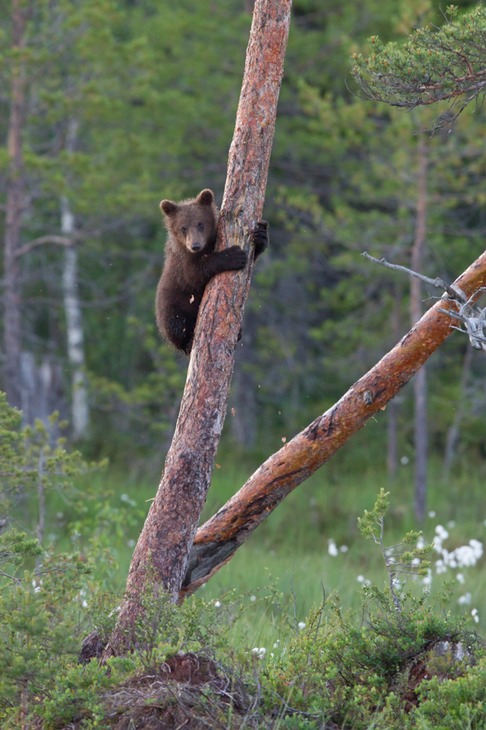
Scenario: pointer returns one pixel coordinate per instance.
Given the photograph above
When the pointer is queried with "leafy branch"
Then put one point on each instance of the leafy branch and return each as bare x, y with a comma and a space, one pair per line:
434, 64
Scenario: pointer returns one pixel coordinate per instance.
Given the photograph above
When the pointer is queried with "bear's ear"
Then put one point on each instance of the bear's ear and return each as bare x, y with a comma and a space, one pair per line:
205, 197
168, 207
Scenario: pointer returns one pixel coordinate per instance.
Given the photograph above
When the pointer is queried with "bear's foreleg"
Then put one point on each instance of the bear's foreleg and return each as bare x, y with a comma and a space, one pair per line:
229, 259
260, 237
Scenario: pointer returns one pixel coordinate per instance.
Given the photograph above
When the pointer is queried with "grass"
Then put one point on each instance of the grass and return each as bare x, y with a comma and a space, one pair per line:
304, 627
308, 552
285, 568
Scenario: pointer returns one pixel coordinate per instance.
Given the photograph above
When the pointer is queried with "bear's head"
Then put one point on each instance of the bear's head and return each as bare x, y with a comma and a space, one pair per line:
192, 223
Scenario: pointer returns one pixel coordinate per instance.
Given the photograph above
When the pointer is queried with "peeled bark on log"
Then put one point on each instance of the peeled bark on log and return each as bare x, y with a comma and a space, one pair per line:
160, 558
218, 539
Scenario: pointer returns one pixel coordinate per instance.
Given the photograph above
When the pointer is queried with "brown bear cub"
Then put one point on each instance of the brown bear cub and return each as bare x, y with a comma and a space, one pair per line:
190, 262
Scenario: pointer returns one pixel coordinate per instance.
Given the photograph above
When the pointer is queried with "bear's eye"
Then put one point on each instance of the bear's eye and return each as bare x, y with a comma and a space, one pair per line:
200, 226
183, 230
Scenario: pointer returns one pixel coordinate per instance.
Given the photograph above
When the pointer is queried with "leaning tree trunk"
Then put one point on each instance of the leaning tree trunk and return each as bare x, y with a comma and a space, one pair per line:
218, 539
160, 558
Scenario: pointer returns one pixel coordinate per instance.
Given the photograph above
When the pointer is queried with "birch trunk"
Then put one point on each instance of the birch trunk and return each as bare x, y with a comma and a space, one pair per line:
72, 309
74, 328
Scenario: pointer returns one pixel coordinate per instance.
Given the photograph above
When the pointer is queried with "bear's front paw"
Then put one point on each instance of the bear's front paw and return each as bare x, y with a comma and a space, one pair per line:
260, 237
236, 258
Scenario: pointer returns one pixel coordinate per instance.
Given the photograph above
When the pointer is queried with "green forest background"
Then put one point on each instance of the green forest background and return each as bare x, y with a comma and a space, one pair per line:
127, 103
122, 104
131, 102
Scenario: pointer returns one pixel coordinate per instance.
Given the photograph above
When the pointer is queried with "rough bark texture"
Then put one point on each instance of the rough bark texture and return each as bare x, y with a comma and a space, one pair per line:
160, 557
220, 537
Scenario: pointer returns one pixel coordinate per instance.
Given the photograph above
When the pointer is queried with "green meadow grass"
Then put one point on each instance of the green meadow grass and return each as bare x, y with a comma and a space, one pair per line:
285, 568
259, 614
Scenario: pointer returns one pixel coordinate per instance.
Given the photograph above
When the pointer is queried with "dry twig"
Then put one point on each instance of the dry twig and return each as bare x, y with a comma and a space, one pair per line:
472, 317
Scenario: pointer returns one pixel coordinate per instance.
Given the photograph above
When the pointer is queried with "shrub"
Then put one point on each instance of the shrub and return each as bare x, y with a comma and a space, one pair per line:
371, 672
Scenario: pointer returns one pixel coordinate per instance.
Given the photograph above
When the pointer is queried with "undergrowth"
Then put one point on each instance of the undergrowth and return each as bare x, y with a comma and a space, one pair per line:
400, 659
402, 662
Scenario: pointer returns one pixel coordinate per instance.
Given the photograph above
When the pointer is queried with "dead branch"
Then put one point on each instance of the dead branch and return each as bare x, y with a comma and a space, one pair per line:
437, 282
42, 241
473, 318
71, 240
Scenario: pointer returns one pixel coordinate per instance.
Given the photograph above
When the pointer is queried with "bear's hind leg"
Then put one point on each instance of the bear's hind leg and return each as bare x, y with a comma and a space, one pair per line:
180, 332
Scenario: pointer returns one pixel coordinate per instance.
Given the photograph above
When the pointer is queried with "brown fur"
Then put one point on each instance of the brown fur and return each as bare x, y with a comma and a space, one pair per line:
190, 262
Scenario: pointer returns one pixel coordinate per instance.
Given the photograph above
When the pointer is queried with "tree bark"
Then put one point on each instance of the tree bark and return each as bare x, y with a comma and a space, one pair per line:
72, 310
420, 381
74, 330
160, 558
15, 200
219, 538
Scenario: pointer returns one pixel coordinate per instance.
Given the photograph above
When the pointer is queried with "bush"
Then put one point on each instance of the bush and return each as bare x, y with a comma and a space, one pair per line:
404, 662
372, 672
453, 704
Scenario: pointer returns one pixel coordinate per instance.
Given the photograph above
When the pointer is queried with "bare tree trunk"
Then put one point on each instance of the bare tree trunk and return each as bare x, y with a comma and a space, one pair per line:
74, 329
15, 199
219, 538
454, 429
394, 405
420, 382
72, 309
160, 558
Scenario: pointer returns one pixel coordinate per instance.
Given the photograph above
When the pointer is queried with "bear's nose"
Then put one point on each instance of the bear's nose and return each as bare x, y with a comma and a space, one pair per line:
196, 246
